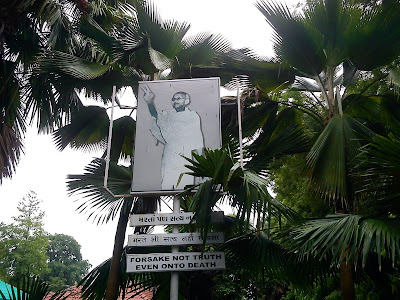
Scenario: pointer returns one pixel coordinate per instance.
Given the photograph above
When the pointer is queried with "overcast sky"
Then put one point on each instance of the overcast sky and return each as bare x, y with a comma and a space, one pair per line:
43, 169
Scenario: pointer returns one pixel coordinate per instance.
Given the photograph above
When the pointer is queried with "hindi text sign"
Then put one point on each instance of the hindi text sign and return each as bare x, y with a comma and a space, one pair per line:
173, 239
171, 219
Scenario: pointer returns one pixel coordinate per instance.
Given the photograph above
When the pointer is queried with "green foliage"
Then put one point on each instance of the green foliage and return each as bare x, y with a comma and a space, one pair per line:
291, 184
27, 252
347, 238
24, 242
325, 290
65, 262
31, 288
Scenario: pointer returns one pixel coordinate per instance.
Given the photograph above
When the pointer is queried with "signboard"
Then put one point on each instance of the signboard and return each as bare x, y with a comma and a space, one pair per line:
181, 261
171, 219
174, 118
173, 239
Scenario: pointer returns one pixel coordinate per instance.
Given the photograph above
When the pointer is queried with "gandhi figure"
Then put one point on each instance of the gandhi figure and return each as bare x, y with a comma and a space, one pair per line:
180, 132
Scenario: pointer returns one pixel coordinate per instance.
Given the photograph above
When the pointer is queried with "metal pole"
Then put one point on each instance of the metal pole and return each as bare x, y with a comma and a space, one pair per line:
109, 137
239, 108
174, 290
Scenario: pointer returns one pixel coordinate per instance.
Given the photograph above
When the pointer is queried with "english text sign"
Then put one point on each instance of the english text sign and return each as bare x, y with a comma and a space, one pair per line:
181, 261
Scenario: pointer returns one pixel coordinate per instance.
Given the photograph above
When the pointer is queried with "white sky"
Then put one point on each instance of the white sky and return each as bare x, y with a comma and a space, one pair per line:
43, 169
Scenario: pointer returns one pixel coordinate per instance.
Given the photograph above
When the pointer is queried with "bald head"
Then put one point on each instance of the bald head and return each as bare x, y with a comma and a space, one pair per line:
180, 100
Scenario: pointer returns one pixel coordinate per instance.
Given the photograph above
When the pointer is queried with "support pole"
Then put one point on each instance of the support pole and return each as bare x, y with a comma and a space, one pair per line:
110, 128
109, 137
174, 290
239, 109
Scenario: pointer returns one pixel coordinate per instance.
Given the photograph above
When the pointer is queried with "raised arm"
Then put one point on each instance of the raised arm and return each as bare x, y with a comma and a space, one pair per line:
148, 96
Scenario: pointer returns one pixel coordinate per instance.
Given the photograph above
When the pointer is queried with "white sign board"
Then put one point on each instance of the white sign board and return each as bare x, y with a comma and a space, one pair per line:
174, 118
181, 261
171, 219
173, 239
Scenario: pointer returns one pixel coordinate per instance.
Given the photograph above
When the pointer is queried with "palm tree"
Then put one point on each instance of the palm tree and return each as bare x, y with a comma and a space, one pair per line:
26, 28
102, 206
142, 47
329, 44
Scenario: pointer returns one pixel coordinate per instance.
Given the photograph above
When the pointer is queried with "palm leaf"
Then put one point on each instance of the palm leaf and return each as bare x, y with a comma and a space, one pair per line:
200, 50
331, 19
257, 254
94, 284
334, 154
10, 101
11, 148
166, 36
123, 138
98, 202
250, 70
301, 46
281, 135
71, 65
372, 37
381, 164
347, 237
31, 288
60, 19
88, 130
244, 189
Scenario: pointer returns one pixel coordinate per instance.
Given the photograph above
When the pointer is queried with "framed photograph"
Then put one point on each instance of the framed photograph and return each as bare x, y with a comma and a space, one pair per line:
175, 118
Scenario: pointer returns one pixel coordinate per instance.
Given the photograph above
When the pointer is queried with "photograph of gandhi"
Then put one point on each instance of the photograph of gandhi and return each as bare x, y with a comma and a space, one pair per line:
179, 130
175, 118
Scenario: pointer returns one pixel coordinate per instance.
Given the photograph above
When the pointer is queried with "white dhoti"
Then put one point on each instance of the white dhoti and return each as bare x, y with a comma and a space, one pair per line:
181, 135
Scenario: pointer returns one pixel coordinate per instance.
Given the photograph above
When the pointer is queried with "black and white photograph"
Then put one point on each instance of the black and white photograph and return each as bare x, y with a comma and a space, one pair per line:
175, 119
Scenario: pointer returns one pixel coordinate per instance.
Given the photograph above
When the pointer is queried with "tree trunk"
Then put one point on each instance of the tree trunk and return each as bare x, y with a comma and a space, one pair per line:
115, 269
347, 280
346, 267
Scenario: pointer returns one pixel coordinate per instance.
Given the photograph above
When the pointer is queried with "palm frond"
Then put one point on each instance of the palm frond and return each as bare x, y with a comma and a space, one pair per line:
253, 71
94, 284
87, 130
282, 135
331, 19
257, 254
159, 60
296, 43
71, 65
97, 202
200, 50
333, 154
244, 189
347, 237
166, 36
380, 162
11, 148
10, 99
394, 78
372, 37
31, 288
123, 138
60, 19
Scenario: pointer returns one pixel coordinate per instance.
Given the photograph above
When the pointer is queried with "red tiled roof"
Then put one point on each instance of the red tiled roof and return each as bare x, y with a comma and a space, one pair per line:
74, 293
